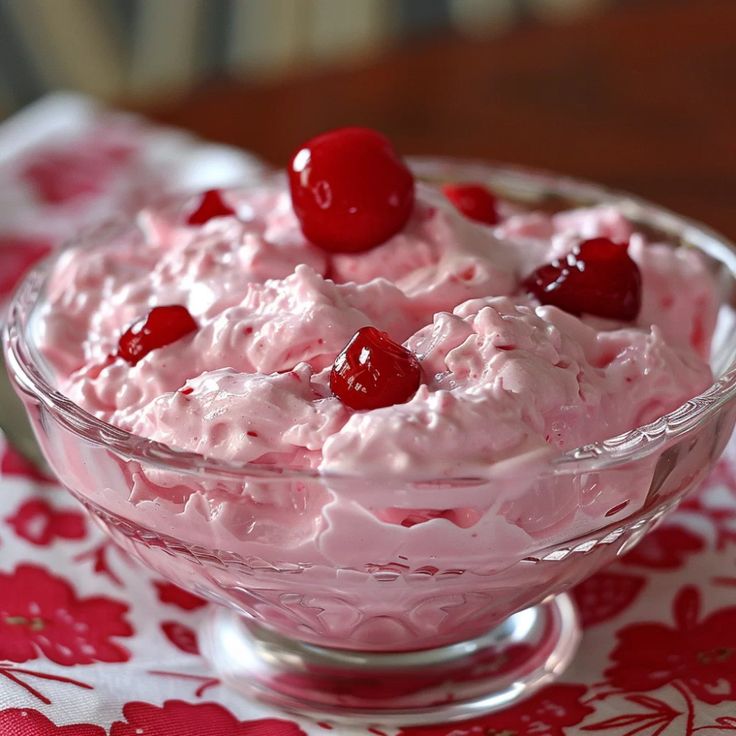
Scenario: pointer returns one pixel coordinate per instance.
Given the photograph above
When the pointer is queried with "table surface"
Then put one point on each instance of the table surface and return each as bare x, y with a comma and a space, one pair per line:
639, 97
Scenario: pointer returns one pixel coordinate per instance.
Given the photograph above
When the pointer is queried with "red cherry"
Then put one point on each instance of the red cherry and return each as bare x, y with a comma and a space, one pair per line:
598, 277
474, 201
374, 371
350, 190
162, 326
210, 205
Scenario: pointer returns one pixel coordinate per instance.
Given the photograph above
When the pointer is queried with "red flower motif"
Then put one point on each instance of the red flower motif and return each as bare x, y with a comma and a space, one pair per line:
40, 614
605, 595
545, 714
13, 464
18, 254
700, 655
28, 722
170, 593
182, 637
655, 717
98, 554
39, 523
61, 175
665, 548
724, 475
720, 511
177, 718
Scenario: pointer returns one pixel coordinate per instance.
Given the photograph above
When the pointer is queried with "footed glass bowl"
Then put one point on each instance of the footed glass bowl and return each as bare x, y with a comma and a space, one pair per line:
381, 599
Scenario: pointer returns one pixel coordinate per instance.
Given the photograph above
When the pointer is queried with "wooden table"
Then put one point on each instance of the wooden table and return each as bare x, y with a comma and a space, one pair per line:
642, 96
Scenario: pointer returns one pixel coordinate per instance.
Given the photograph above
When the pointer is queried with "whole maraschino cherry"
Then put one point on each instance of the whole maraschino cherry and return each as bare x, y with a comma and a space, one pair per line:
373, 371
598, 277
350, 190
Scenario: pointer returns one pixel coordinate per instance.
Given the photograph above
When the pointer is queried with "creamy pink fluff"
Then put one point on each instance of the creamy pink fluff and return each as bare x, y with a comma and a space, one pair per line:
273, 312
456, 483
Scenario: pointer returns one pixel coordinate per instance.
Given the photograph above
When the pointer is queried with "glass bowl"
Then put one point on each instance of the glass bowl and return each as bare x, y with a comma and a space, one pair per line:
389, 600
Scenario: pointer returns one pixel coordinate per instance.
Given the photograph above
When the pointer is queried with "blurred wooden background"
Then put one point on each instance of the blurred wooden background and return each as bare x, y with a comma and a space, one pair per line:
640, 96
150, 48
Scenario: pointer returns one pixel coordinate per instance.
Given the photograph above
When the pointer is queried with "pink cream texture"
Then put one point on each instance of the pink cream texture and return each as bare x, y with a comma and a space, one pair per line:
507, 383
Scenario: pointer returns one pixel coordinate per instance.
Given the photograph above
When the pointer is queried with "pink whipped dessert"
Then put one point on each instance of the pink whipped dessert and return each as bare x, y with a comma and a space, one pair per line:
271, 312
235, 327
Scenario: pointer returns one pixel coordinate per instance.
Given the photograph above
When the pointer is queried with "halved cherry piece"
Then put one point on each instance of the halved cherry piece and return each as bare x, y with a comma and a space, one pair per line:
162, 326
374, 371
597, 277
475, 201
350, 190
210, 205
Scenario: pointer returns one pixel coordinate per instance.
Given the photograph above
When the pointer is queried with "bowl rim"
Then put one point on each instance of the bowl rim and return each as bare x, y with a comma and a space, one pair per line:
621, 448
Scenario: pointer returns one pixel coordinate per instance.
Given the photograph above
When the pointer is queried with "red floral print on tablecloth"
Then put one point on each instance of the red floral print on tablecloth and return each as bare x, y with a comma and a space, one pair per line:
699, 655
718, 508
548, 713
177, 718
61, 175
39, 523
647, 715
41, 615
606, 595
722, 475
17, 255
13, 464
28, 722
100, 560
176, 596
665, 548
182, 637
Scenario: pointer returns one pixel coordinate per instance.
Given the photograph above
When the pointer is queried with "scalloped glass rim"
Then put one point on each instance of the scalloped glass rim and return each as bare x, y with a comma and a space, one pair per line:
520, 182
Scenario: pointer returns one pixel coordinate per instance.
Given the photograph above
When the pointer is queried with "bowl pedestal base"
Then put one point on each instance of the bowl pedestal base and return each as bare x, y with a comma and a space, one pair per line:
450, 683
